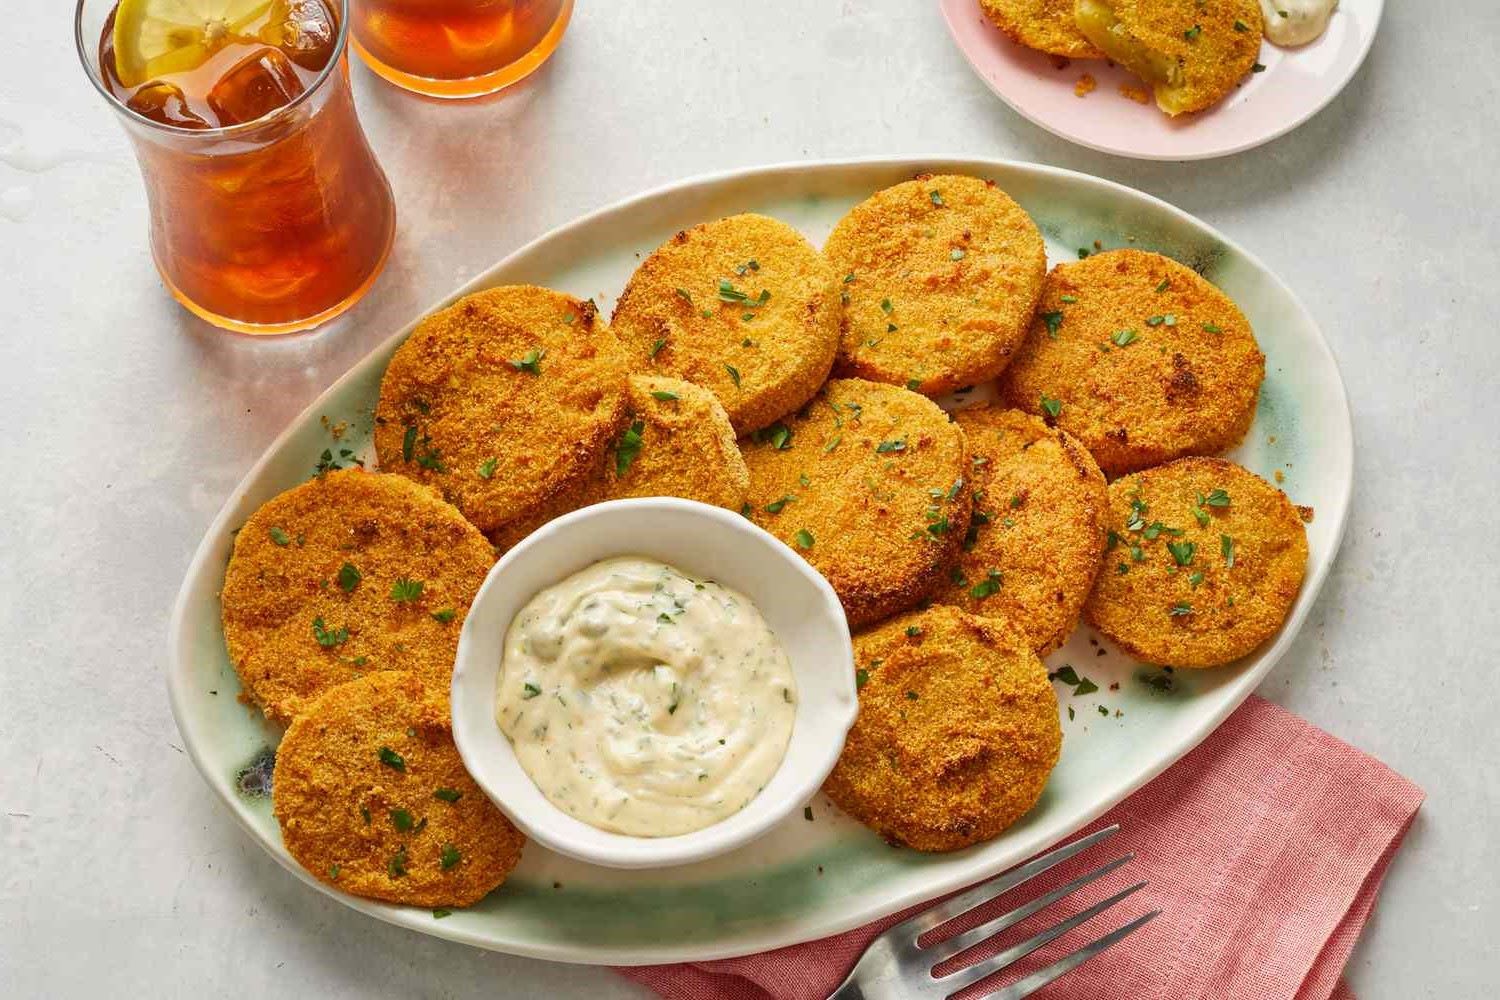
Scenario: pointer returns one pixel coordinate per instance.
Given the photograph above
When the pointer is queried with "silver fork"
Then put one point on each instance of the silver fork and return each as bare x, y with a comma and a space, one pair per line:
895, 966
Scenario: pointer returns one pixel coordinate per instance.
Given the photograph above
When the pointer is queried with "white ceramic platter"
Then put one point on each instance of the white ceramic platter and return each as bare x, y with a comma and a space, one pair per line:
1296, 84
805, 879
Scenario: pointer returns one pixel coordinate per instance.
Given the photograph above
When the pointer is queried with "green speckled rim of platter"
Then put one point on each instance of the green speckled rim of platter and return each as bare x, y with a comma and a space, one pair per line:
806, 878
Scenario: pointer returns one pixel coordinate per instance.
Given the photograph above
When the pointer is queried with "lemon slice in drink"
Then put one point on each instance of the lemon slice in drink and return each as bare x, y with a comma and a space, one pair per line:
156, 37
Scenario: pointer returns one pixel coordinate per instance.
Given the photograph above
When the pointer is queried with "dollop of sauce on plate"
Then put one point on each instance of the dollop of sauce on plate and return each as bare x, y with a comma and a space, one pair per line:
1296, 22
643, 701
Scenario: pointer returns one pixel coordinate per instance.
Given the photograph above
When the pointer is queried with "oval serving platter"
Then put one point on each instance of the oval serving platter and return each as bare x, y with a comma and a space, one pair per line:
805, 879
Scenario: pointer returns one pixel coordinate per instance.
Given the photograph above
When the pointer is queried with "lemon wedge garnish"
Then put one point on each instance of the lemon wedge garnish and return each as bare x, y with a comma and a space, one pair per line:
154, 38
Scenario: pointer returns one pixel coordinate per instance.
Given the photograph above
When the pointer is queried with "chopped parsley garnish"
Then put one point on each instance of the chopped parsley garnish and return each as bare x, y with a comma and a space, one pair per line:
1257, 68
1085, 686
885, 306
861, 678
734, 375
804, 539
1155, 320
728, 293
1226, 548
775, 506
279, 536
1211, 328
914, 384
333, 872
936, 197
1103, 711
656, 347
1083, 252
833, 443
405, 590
912, 631
396, 867
807, 813
1192, 33
1170, 319
1051, 407
987, 587
849, 278
1070, 299
1054, 321
1165, 284
487, 468
409, 443
1182, 552
402, 820
349, 577
448, 794
912, 696
392, 759
439, 914
629, 447
1195, 580
1240, 25
529, 691
445, 615
328, 638
684, 295
1215, 498
530, 362
664, 395
1123, 337
778, 435
957, 253
1180, 609
449, 857
1201, 516
894, 444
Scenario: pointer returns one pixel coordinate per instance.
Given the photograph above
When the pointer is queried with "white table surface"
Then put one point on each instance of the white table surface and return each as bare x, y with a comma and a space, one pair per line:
124, 424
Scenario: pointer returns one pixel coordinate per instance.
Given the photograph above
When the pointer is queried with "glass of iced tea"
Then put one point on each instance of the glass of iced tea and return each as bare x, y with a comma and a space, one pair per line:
458, 48
268, 211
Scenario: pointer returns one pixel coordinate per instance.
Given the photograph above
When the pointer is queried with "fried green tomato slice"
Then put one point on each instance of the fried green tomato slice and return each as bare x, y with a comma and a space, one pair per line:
957, 730
502, 401
866, 483
1036, 537
349, 573
743, 306
373, 798
1205, 561
940, 276
1045, 25
677, 442
1140, 358
1191, 53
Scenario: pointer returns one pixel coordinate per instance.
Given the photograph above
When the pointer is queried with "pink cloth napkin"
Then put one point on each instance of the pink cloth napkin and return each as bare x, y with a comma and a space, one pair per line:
1264, 848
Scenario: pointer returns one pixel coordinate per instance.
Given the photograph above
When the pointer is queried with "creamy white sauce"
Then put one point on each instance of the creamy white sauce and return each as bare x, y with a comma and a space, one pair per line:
1296, 22
645, 702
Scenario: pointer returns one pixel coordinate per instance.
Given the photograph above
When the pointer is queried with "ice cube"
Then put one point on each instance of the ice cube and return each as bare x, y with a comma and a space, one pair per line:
304, 30
257, 85
165, 103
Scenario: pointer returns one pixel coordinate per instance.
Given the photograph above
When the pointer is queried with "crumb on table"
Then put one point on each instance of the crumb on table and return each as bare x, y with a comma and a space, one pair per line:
1085, 85
1135, 92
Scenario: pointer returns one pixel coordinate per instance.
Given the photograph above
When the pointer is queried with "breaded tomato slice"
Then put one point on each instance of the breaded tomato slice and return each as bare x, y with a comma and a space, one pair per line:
957, 730
1205, 562
373, 799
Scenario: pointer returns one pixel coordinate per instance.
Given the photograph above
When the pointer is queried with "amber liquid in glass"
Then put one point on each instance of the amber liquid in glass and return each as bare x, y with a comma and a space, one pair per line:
458, 48
283, 222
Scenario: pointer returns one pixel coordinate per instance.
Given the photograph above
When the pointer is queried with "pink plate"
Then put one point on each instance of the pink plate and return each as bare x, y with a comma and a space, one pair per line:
1296, 84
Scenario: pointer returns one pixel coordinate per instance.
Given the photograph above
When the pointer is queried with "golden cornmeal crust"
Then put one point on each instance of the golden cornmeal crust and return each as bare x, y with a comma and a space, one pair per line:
1195, 577
1147, 360
1211, 53
940, 277
677, 442
1037, 534
682, 315
503, 400
874, 475
1044, 25
373, 799
287, 588
957, 730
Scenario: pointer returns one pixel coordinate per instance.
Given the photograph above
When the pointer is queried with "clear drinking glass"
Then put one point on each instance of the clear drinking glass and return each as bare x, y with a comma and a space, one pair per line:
268, 211
458, 48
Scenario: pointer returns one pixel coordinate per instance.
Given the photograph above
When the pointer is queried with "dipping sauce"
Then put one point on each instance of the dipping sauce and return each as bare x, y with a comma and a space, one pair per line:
643, 701
1296, 22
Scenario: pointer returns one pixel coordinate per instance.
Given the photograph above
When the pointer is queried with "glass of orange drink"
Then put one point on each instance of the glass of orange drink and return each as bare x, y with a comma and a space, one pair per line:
458, 48
269, 213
